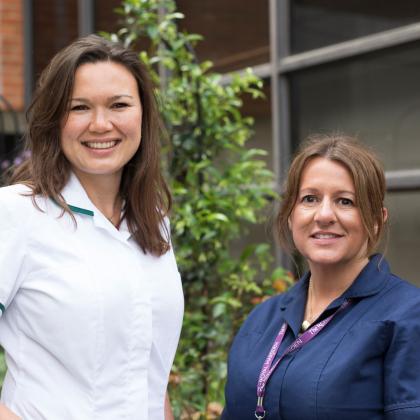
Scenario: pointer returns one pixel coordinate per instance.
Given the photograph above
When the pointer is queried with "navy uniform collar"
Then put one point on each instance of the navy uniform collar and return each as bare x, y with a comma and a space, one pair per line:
370, 281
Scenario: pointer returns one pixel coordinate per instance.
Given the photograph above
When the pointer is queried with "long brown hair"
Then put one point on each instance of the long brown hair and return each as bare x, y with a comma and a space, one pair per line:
47, 171
365, 169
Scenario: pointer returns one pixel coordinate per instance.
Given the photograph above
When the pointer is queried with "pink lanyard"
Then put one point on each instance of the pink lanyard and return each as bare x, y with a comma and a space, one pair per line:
268, 367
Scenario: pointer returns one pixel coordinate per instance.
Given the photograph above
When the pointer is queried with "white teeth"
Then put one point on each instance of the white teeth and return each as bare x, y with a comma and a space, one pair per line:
324, 236
100, 145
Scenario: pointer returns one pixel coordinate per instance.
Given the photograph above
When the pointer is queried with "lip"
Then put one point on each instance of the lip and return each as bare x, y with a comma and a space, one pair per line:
325, 238
99, 145
325, 235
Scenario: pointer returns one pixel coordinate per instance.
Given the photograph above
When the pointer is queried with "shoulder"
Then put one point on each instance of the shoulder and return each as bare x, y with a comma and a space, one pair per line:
388, 296
266, 312
17, 203
404, 299
404, 287
278, 301
15, 198
13, 192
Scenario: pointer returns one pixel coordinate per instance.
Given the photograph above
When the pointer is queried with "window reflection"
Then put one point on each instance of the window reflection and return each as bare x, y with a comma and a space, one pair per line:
236, 32
404, 241
375, 97
318, 23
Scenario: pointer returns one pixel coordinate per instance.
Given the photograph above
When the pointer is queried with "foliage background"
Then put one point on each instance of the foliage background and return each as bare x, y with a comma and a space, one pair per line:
220, 188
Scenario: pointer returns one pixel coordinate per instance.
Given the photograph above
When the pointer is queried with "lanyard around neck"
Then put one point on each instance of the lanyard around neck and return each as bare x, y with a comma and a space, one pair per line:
269, 367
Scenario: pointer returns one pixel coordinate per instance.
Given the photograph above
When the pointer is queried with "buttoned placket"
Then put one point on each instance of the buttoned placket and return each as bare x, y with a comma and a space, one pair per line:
293, 308
141, 337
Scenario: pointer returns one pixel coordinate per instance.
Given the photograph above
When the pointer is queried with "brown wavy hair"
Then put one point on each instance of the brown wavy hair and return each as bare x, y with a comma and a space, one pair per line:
47, 171
367, 174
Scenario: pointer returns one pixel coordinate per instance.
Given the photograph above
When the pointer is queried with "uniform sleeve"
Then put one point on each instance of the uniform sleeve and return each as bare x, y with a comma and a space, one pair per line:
12, 249
402, 368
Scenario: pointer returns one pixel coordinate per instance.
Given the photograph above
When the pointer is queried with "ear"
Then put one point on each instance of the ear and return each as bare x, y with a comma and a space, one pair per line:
385, 214
384, 217
289, 223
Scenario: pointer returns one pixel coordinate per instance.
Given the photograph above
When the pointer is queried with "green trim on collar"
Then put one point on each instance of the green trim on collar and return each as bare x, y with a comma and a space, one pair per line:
2, 308
75, 209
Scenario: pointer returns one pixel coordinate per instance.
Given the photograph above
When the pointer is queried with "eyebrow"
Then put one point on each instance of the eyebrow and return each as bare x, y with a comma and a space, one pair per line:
112, 98
316, 190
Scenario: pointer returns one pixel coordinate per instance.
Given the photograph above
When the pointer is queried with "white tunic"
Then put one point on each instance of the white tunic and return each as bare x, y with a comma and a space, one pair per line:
90, 324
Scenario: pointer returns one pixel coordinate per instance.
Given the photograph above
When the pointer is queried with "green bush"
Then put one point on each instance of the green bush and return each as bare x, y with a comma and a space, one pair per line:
220, 188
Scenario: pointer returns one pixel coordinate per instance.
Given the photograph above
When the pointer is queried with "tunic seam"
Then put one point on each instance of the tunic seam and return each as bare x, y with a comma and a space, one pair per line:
402, 406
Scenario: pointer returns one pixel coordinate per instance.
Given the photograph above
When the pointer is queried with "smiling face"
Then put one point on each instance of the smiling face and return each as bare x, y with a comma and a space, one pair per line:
325, 221
102, 130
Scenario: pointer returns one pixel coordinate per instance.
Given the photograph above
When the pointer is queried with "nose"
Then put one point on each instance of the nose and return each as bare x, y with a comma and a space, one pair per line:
325, 213
100, 122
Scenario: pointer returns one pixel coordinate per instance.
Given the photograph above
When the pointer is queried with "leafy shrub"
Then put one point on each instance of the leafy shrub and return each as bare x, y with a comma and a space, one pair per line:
220, 188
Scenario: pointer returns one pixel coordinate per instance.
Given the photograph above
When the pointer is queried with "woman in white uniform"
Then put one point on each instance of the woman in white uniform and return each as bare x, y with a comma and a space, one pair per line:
90, 295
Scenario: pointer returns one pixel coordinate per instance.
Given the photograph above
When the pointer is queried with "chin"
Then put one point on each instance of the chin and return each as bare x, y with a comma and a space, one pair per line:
326, 258
98, 171
327, 261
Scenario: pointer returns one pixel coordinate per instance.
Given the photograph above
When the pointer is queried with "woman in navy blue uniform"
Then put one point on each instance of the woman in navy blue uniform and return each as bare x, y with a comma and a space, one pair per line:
344, 341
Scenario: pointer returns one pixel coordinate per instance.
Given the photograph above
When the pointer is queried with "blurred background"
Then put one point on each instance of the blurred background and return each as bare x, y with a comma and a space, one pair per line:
348, 65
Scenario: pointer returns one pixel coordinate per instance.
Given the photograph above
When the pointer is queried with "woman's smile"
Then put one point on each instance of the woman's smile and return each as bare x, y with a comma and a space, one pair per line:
326, 238
101, 144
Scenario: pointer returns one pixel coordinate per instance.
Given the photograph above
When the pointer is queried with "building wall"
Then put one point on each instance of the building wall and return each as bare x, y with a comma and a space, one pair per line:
11, 53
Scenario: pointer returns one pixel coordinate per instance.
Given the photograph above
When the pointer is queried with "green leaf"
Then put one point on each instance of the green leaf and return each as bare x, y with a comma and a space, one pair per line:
221, 189
218, 216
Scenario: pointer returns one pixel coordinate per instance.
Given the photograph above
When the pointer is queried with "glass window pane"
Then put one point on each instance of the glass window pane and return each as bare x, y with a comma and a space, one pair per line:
375, 96
105, 17
317, 23
55, 26
236, 32
404, 239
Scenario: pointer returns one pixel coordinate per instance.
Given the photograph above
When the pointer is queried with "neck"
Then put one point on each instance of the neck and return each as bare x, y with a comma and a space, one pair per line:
103, 191
330, 282
326, 284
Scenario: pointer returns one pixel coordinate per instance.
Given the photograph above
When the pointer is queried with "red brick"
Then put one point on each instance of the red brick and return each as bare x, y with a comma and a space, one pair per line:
10, 5
11, 50
12, 16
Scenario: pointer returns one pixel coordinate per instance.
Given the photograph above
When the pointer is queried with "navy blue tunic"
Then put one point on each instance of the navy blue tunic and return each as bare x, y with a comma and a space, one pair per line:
364, 365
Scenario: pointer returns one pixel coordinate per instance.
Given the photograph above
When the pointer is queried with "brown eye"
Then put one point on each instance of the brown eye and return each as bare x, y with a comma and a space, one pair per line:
309, 199
119, 105
78, 108
346, 202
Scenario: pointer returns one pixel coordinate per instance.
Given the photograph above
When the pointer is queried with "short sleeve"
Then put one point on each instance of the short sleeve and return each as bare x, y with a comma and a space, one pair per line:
12, 246
402, 368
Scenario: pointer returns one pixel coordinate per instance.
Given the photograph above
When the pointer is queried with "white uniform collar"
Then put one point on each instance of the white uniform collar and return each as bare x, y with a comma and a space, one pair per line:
78, 201
76, 198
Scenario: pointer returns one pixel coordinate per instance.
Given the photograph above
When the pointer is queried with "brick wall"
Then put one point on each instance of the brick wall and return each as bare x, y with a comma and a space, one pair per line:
11, 53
